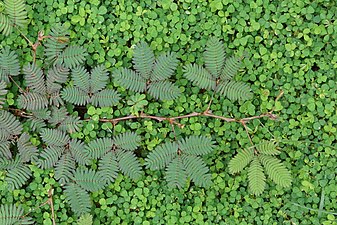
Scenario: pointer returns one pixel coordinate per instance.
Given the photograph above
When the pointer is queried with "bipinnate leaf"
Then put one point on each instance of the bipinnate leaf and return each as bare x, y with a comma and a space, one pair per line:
143, 59
17, 176
65, 168
241, 160
35, 79
72, 56
88, 179
164, 66
129, 164
276, 170
85, 219
196, 145
49, 156
9, 64
99, 147
234, 90
232, 66
197, 170
199, 76
175, 173
267, 148
256, 177
75, 95
77, 149
108, 168
214, 56
98, 79
105, 98
164, 90
10, 125
3, 92
54, 137
130, 79
81, 78
161, 156
78, 198
32, 101
128, 141
10, 214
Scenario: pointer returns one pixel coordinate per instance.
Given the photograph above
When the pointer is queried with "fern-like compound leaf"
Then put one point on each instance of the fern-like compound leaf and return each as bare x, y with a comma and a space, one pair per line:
256, 177
276, 170
88, 179
34, 78
267, 148
77, 149
36, 124
55, 45
5, 25
241, 160
9, 64
214, 56
81, 78
105, 98
130, 79
72, 56
9, 124
78, 198
57, 115
65, 168
27, 151
71, 124
99, 147
54, 137
57, 73
50, 156
129, 164
164, 67
75, 95
199, 76
175, 173
196, 145
16, 11
12, 214
99, 78
17, 176
108, 168
3, 92
128, 141
234, 90
232, 66
143, 60
5, 152
162, 155
32, 101
85, 219
164, 90
197, 170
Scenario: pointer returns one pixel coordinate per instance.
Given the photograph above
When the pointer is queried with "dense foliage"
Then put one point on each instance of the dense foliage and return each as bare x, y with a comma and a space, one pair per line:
286, 45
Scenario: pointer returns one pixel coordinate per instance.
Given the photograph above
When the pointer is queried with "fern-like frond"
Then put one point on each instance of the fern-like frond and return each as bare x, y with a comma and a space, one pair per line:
88, 179
234, 90
143, 59
176, 175
71, 124
267, 148
130, 80
9, 124
108, 168
199, 76
232, 66
161, 156
36, 124
256, 177
196, 145
99, 78
54, 137
55, 99
164, 90
5, 25
57, 115
164, 67
81, 78
17, 176
129, 164
57, 73
72, 56
43, 114
128, 141
34, 78
65, 168
99, 147
78, 198
5, 152
214, 56
105, 98
27, 151
9, 64
197, 170
85, 219
77, 149
54, 46
241, 160
3, 92
32, 101
276, 170
13, 215
75, 95
50, 156
16, 11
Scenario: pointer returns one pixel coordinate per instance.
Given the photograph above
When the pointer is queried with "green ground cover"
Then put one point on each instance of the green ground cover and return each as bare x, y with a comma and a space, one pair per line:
289, 46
